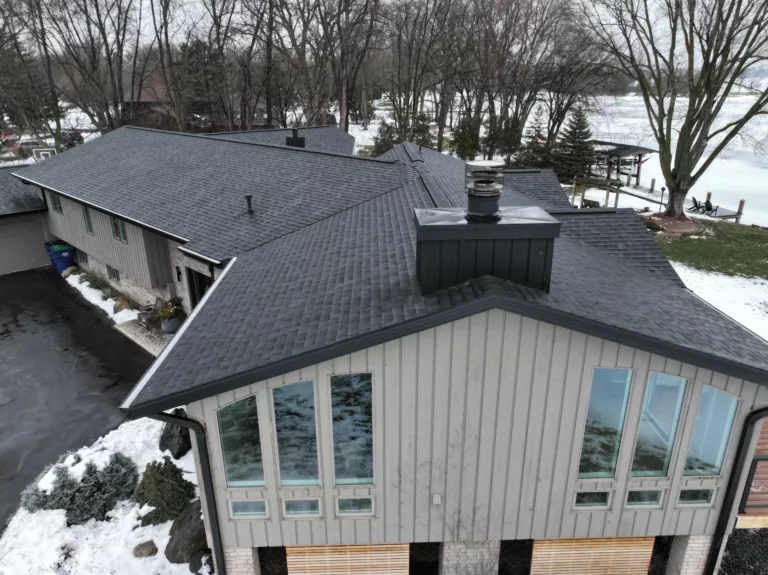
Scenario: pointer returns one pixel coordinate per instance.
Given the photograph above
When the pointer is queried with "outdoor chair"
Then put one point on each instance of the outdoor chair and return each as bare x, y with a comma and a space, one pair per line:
696, 207
709, 210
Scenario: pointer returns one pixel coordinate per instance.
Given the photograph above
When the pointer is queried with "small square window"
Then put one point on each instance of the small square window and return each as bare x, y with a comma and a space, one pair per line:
592, 499
643, 497
301, 507
82, 257
56, 202
118, 230
113, 274
354, 506
695, 497
255, 508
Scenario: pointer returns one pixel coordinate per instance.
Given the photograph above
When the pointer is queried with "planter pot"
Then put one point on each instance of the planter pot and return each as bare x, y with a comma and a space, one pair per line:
171, 325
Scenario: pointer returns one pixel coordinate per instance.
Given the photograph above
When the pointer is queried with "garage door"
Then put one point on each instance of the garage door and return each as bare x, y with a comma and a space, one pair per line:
616, 556
348, 560
21, 244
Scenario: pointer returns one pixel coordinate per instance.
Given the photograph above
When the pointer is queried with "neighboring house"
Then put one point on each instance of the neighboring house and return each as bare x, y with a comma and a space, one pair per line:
22, 225
158, 213
372, 374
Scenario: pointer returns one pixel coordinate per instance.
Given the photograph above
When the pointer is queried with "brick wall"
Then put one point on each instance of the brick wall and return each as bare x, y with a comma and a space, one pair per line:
242, 561
470, 558
688, 555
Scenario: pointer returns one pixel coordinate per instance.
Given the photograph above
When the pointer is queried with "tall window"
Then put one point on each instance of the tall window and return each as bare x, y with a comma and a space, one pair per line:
711, 431
296, 433
658, 425
351, 403
605, 422
87, 219
240, 443
56, 202
118, 229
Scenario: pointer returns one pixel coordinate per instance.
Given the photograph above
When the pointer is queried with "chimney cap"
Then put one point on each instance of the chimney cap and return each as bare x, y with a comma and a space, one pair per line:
514, 222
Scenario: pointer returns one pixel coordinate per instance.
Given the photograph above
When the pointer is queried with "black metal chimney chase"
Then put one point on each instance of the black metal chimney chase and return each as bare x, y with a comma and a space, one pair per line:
455, 245
295, 140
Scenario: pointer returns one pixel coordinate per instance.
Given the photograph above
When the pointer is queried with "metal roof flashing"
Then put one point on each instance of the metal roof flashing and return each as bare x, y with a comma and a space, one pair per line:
513, 222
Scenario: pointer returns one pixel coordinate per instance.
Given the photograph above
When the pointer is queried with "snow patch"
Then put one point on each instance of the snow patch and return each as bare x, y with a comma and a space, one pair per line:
95, 297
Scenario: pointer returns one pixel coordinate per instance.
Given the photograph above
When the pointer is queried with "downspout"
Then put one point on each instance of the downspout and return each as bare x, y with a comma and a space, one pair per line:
207, 480
732, 491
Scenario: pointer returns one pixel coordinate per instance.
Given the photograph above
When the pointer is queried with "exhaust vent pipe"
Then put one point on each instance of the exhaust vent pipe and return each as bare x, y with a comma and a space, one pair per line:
295, 140
484, 183
248, 199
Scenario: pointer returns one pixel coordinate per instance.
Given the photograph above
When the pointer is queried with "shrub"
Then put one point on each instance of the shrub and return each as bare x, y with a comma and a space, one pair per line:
163, 487
92, 497
652, 225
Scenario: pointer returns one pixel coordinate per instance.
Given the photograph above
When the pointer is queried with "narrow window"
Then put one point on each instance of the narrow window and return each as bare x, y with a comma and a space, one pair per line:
113, 274
240, 443
355, 506
643, 497
118, 229
87, 219
246, 508
658, 425
301, 507
695, 496
82, 257
56, 202
351, 402
592, 499
296, 433
605, 422
711, 431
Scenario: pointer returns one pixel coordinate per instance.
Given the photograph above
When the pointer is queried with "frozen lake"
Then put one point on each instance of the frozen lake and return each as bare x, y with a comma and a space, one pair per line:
740, 172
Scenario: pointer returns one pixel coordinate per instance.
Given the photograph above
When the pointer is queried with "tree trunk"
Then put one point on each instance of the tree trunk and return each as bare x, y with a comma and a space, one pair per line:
269, 63
675, 204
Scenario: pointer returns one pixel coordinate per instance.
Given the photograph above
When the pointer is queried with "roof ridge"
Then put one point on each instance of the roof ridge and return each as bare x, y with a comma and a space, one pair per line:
209, 137
276, 130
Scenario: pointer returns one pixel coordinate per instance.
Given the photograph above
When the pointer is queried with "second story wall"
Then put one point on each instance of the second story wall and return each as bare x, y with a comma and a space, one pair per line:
478, 428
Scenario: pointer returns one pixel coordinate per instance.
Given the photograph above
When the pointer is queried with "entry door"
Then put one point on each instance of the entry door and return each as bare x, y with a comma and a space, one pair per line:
615, 556
348, 560
198, 284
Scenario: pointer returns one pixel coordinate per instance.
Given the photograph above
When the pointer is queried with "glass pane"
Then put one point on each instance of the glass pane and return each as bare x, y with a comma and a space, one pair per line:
658, 425
240, 508
356, 505
711, 431
695, 496
643, 497
605, 421
240, 443
351, 402
296, 434
302, 507
592, 499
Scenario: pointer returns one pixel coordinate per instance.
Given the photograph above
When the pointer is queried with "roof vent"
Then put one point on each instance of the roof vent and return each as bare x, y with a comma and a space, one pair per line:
248, 199
511, 243
295, 140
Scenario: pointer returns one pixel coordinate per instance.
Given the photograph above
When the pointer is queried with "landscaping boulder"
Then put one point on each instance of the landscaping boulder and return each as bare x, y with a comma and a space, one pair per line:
187, 535
146, 549
121, 304
175, 438
196, 562
69, 271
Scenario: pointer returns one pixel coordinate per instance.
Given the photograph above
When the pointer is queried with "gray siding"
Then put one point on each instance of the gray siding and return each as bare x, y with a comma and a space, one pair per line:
143, 260
488, 412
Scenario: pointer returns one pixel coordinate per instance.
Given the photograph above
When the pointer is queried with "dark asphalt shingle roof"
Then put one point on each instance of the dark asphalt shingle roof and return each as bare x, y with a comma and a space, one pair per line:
17, 197
348, 282
193, 187
320, 138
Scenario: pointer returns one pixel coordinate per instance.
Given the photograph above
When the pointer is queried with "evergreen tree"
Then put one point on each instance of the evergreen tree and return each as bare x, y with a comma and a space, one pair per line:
575, 153
422, 135
466, 139
536, 152
387, 138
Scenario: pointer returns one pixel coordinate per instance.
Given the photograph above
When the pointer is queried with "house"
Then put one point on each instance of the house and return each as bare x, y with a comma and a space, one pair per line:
411, 354
157, 213
22, 225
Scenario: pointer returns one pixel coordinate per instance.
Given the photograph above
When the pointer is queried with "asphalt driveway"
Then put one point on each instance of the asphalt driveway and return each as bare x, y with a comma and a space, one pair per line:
63, 373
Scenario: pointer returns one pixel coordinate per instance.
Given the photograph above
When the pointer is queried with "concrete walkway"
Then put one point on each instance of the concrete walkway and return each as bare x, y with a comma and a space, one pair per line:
63, 373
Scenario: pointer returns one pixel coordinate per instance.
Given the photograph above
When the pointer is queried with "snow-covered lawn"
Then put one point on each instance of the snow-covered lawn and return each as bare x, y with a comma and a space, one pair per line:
95, 297
41, 543
744, 299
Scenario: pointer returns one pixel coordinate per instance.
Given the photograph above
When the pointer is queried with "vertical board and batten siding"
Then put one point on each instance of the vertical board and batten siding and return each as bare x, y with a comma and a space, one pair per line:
139, 260
487, 412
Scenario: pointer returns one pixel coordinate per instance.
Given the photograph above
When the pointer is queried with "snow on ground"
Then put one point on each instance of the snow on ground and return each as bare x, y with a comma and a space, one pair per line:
95, 297
38, 543
745, 299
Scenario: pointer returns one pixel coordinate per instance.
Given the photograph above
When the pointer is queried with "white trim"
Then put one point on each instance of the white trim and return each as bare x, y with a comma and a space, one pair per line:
605, 507
250, 516
161, 358
201, 256
101, 209
640, 506
317, 515
370, 513
710, 503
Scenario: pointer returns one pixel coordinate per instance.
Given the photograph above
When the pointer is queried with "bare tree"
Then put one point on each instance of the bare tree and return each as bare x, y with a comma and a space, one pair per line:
686, 56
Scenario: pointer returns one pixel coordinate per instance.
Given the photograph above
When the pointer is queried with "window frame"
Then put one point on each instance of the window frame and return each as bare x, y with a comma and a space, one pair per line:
605, 507
728, 444
119, 229
234, 517
276, 445
318, 515
221, 457
639, 506
113, 274
708, 504
56, 203
329, 414
371, 513
87, 219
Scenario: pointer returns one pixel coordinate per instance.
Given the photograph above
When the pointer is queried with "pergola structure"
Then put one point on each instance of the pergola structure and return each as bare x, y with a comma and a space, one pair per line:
615, 154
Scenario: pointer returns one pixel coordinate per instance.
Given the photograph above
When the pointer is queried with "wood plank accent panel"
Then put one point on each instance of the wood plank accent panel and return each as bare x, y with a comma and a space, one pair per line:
615, 556
348, 560
762, 441
752, 522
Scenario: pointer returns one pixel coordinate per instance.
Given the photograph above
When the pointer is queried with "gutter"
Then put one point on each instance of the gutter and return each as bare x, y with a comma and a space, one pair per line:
732, 491
207, 482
